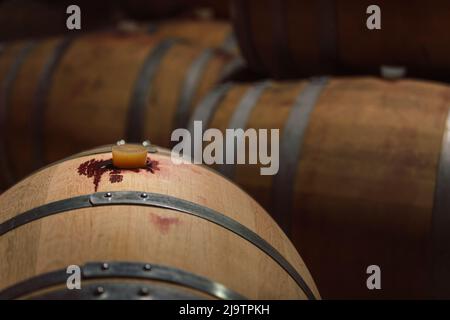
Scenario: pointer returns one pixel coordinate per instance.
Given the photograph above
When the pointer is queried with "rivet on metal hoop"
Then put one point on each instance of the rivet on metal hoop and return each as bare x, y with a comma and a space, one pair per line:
144, 291
144, 195
105, 266
99, 291
108, 195
147, 267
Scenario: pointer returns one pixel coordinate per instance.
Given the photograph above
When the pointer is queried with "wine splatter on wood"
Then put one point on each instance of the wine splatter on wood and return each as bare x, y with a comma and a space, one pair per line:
163, 224
97, 168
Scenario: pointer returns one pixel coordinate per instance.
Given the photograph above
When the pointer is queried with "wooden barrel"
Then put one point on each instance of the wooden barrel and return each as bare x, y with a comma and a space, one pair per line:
219, 34
61, 96
201, 32
364, 177
302, 38
157, 232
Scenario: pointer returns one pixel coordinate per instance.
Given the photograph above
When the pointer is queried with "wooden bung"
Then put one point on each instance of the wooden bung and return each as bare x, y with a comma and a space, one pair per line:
129, 156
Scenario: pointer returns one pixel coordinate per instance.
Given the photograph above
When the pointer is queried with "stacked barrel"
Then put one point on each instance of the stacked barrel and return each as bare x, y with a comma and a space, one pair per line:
359, 179
290, 38
58, 93
364, 152
364, 162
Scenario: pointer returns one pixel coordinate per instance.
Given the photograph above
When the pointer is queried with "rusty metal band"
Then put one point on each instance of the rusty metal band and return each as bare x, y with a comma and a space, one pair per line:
240, 117
230, 43
139, 198
328, 46
208, 106
241, 19
190, 86
230, 68
203, 114
121, 270
8, 177
290, 151
142, 90
441, 220
37, 113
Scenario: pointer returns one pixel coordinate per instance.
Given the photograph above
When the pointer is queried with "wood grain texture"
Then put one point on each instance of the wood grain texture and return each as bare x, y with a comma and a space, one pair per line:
134, 233
365, 180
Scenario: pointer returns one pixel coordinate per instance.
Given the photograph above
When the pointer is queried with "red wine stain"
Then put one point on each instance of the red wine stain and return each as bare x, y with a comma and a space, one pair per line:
97, 168
163, 223
115, 178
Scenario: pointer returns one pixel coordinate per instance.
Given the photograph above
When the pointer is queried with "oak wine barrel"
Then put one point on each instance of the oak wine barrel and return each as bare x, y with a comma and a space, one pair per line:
165, 231
63, 95
288, 39
207, 33
364, 177
201, 32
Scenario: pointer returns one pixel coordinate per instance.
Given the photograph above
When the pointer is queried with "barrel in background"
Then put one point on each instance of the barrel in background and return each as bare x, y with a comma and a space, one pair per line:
201, 32
63, 95
359, 180
207, 33
24, 19
292, 39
